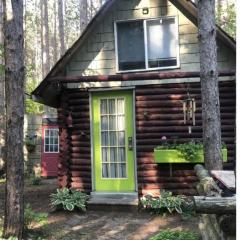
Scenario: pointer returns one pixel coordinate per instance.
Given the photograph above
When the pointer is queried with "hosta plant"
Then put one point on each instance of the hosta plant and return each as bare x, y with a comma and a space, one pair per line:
69, 199
166, 201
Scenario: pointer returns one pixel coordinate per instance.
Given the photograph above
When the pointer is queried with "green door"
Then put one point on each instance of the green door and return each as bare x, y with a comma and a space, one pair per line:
112, 115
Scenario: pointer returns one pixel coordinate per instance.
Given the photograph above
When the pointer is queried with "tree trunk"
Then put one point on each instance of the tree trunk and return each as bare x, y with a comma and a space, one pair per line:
14, 76
2, 95
42, 40
55, 50
46, 56
209, 85
83, 4
61, 27
215, 205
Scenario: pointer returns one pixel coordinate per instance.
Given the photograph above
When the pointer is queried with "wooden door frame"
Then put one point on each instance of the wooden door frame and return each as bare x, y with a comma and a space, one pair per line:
91, 92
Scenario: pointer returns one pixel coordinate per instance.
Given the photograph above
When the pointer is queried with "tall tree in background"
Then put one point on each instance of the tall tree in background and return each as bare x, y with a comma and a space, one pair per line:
83, 4
45, 29
61, 27
54, 44
209, 85
2, 93
226, 16
14, 81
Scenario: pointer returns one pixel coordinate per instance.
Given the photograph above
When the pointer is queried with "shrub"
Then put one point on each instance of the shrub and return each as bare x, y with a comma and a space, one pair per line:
166, 201
69, 199
31, 217
175, 235
33, 180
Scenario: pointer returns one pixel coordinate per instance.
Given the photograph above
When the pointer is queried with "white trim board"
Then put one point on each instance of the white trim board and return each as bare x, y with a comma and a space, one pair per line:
120, 84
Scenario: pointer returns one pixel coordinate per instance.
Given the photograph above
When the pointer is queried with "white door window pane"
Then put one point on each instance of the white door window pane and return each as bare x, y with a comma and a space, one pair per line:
55, 148
113, 138
51, 141
112, 122
112, 109
104, 138
104, 154
105, 170
120, 123
113, 154
121, 154
113, 170
104, 123
130, 38
103, 107
120, 106
121, 138
46, 148
122, 170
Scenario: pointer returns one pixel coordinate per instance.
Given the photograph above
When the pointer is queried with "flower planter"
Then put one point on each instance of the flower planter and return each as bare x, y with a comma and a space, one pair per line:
175, 156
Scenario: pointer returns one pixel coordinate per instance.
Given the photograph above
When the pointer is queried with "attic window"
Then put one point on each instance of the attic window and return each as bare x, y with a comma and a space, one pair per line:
147, 44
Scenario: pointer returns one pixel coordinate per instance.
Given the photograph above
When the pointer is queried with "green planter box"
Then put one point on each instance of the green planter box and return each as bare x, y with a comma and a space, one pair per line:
174, 156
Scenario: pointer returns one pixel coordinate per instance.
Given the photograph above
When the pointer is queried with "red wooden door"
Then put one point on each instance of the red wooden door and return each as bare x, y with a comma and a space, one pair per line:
50, 151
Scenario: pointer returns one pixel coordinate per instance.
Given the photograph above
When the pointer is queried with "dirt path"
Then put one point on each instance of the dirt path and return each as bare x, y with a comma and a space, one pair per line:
96, 225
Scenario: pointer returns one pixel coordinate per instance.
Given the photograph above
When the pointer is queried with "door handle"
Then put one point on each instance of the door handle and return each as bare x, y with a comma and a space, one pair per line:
130, 143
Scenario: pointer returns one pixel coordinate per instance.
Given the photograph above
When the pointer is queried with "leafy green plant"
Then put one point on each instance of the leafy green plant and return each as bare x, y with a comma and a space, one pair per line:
30, 144
166, 201
69, 199
31, 217
175, 235
190, 150
33, 180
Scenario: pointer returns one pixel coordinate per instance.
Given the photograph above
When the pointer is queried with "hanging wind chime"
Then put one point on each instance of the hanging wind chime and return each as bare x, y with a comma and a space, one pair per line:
189, 109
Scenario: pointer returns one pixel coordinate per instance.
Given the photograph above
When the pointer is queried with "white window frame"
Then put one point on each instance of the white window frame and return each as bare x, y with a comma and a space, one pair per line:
146, 45
100, 140
56, 129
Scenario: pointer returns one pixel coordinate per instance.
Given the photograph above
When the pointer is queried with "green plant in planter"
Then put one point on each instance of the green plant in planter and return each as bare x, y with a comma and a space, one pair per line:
190, 150
69, 199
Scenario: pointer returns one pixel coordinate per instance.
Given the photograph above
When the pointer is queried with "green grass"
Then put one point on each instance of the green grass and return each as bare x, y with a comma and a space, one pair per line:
175, 235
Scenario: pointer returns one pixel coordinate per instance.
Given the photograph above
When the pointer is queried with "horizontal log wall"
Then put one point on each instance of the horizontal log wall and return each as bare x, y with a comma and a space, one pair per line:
159, 113
163, 107
63, 166
79, 137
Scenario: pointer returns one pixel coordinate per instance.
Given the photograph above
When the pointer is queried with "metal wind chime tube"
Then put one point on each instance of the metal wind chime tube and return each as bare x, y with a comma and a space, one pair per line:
189, 109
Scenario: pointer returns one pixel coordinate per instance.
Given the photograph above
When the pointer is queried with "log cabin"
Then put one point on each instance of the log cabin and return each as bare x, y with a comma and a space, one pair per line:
120, 89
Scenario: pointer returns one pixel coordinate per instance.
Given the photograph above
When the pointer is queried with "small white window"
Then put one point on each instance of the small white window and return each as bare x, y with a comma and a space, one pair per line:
51, 141
147, 44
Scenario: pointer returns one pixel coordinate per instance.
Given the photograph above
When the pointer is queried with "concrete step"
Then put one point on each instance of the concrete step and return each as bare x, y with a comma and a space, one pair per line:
113, 201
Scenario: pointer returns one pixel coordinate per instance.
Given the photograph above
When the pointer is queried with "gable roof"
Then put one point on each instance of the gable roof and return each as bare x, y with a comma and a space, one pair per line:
47, 94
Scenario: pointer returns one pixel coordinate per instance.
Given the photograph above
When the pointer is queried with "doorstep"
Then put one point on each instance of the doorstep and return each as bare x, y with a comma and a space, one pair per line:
111, 201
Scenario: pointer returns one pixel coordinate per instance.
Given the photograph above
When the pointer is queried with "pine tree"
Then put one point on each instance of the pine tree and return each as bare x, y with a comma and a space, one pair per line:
14, 81
61, 27
209, 85
2, 93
